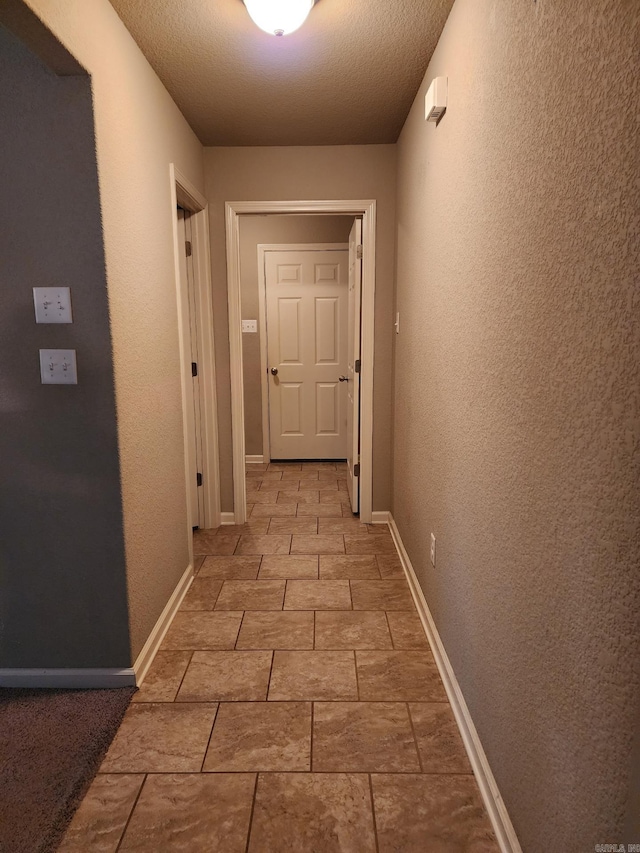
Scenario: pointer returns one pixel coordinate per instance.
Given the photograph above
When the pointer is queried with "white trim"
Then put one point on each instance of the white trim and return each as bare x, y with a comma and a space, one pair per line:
380, 517
157, 635
500, 820
262, 320
227, 518
79, 679
184, 193
366, 208
254, 460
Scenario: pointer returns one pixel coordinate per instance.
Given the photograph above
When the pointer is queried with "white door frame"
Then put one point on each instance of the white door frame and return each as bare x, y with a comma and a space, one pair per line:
262, 293
366, 208
183, 193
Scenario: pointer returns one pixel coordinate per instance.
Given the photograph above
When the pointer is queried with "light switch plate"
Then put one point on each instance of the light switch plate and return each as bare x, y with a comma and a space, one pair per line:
58, 367
52, 304
249, 325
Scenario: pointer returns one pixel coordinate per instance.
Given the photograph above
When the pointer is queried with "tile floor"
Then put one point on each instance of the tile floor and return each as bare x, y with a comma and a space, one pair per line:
294, 704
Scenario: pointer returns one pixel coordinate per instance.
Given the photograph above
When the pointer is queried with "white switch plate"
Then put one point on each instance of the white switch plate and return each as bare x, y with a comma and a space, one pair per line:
52, 304
58, 367
249, 325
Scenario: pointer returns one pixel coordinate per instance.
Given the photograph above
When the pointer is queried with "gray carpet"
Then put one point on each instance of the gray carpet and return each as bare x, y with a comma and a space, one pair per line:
51, 745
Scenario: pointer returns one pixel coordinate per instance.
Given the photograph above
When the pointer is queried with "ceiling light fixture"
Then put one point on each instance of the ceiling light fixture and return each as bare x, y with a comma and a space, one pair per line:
279, 17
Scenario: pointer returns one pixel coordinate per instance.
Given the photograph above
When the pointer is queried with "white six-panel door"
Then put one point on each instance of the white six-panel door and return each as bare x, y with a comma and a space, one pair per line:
307, 344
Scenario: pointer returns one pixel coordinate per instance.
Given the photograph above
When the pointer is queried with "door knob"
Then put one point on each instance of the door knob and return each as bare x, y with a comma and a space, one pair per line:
343, 379
274, 371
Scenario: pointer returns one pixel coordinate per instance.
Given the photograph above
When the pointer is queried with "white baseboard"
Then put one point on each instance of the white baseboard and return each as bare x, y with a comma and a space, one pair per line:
68, 678
254, 460
500, 820
380, 517
227, 518
150, 648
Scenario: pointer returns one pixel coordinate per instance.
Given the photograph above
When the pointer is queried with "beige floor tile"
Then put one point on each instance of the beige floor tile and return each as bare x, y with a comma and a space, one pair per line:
308, 676
197, 563
304, 474
416, 813
271, 476
349, 630
260, 736
276, 630
336, 497
298, 566
381, 595
255, 468
342, 525
162, 738
363, 737
390, 566
230, 568
285, 466
317, 595
256, 526
406, 630
317, 544
306, 526
350, 568
346, 506
274, 485
399, 677
192, 813
202, 594
312, 813
378, 529
261, 497
321, 510
219, 544
320, 485
439, 742
263, 544
369, 544
163, 679
251, 595
98, 824
273, 510
237, 676
304, 497
202, 630
314, 465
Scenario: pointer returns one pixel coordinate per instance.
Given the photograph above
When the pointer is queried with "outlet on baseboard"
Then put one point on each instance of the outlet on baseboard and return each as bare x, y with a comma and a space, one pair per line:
433, 550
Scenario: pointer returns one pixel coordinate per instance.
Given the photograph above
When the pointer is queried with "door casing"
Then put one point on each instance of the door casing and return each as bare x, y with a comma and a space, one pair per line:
364, 208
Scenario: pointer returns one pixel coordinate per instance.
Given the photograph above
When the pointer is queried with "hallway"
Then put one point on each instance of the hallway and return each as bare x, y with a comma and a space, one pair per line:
294, 705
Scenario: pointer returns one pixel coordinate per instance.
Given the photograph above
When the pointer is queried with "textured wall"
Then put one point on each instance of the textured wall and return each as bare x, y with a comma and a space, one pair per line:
516, 395
271, 229
139, 132
63, 599
325, 172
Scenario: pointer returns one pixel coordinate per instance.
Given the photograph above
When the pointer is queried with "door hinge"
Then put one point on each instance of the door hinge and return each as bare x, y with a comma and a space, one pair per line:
358, 366
359, 252
198, 479
187, 248
194, 368
356, 470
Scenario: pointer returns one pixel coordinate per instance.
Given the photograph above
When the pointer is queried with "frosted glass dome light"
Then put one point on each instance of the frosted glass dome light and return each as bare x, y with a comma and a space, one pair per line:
279, 17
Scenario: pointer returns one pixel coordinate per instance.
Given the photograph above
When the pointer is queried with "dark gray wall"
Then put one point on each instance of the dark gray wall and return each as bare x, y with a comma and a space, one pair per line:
62, 566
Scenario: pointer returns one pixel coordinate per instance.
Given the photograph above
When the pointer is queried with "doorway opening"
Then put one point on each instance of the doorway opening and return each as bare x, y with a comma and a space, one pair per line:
195, 330
331, 326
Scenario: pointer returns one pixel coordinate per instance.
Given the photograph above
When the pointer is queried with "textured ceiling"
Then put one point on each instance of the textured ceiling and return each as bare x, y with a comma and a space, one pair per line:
347, 76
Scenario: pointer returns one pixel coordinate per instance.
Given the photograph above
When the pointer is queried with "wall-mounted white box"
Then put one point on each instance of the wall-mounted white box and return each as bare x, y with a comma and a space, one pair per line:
58, 367
52, 304
435, 101
249, 325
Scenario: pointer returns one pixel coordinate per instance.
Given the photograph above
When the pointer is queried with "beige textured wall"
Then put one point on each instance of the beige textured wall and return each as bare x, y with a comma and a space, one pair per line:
271, 229
324, 172
139, 132
60, 509
516, 396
